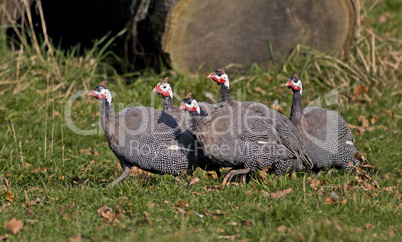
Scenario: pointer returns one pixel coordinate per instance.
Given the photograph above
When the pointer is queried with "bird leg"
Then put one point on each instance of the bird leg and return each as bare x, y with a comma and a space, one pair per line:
228, 176
126, 171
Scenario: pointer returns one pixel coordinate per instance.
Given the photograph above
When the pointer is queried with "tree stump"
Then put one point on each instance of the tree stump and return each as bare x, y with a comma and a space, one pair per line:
204, 35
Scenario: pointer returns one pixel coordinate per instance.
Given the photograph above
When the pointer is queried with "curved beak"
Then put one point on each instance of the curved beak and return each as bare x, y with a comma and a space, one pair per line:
182, 106
91, 93
288, 83
212, 75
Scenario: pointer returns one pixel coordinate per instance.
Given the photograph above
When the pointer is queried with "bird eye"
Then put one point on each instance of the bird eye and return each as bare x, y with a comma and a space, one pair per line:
164, 87
189, 102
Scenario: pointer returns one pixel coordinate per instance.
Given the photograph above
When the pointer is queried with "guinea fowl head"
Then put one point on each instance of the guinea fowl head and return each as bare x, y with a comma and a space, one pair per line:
100, 92
220, 77
295, 83
190, 104
163, 88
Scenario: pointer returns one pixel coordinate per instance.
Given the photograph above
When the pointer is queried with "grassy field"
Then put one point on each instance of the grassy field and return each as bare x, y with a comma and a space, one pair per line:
53, 180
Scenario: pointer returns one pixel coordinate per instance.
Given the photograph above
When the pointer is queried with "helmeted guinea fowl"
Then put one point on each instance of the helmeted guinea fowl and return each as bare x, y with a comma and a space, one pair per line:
286, 130
145, 137
326, 136
183, 118
241, 139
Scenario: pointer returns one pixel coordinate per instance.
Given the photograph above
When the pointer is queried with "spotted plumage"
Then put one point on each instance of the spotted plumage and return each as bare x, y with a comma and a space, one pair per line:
245, 141
282, 126
145, 137
184, 120
326, 136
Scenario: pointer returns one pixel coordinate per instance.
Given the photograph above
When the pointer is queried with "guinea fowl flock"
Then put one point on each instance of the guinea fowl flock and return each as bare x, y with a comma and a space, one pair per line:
243, 136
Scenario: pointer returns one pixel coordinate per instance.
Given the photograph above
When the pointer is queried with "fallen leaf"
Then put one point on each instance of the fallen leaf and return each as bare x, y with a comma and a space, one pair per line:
362, 119
219, 213
4, 237
219, 230
373, 119
193, 181
76, 238
369, 226
247, 222
329, 200
9, 196
13, 225
384, 17
260, 90
282, 228
314, 183
34, 202
389, 189
391, 233
212, 188
147, 217
211, 175
230, 237
184, 204
359, 89
263, 173
278, 194
107, 214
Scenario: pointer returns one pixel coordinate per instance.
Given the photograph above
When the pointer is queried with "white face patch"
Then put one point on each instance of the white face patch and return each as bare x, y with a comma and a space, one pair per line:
298, 84
194, 103
105, 92
167, 88
227, 83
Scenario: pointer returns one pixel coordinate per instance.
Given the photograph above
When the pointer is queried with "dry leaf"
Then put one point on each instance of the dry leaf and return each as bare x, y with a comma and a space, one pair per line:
359, 89
230, 237
34, 202
314, 183
390, 113
384, 17
76, 238
211, 175
373, 119
147, 217
212, 188
391, 233
107, 214
184, 204
369, 226
329, 200
13, 225
247, 222
279, 194
362, 119
282, 228
260, 90
9, 196
193, 181
4, 237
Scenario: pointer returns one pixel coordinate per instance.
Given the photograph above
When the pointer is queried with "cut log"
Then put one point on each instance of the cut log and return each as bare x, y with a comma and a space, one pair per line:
203, 35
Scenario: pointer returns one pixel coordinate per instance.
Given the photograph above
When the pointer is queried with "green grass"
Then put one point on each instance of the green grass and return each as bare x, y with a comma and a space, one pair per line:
41, 157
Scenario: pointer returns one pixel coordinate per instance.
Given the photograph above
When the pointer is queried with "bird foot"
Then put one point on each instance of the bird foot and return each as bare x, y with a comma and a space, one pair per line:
124, 174
229, 176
